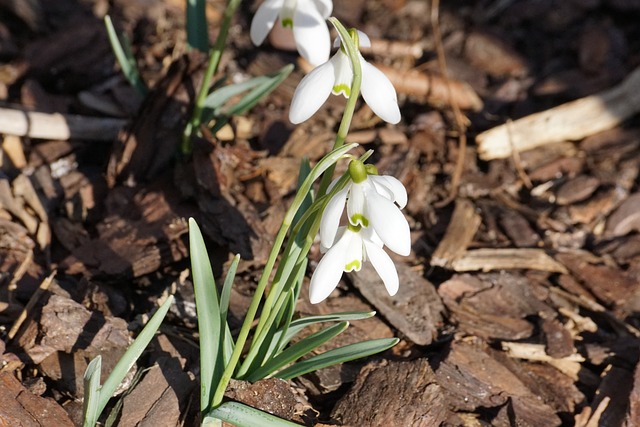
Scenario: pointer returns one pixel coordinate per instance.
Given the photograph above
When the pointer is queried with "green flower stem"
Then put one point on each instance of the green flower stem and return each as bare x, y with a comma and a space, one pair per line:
354, 57
212, 68
328, 161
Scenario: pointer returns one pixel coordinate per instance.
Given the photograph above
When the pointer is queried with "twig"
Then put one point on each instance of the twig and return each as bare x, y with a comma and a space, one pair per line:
44, 285
458, 117
58, 126
567, 122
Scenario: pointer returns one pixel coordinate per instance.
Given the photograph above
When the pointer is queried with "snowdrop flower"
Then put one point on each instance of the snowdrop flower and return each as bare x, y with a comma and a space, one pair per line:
354, 246
307, 20
335, 76
371, 202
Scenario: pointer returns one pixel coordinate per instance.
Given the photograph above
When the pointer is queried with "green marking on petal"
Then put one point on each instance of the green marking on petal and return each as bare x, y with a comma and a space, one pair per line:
354, 228
357, 171
359, 219
342, 89
287, 23
353, 265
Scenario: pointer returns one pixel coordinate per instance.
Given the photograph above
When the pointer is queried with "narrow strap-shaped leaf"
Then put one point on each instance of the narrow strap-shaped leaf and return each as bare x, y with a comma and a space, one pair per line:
243, 416
208, 310
297, 350
197, 36
125, 58
91, 405
336, 356
132, 354
299, 324
225, 296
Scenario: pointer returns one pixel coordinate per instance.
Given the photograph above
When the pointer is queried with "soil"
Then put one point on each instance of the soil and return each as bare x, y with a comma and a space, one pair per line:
519, 304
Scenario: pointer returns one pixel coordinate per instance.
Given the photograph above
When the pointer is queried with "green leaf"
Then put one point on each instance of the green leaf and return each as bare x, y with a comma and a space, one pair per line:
299, 324
297, 350
225, 296
197, 35
125, 57
133, 353
208, 309
336, 356
258, 87
244, 416
91, 406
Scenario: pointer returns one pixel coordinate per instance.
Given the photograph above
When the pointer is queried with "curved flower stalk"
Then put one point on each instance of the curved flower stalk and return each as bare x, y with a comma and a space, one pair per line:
374, 219
335, 76
306, 18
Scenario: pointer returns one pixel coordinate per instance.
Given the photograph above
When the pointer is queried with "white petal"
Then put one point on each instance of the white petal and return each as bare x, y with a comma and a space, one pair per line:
329, 271
388, 223
343, 74
264, 19
384, 266
395, 186
311, 34
356, 206
363, 39
325, 7
311, 93
331, 217
379, 93
355, 253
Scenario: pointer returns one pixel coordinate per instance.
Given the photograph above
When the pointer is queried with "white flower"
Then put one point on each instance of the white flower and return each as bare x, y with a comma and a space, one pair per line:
353, 247
335, 76
371, 202
307, 20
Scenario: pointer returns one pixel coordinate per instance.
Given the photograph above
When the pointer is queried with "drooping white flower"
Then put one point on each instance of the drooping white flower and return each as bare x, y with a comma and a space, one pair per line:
354, 245
335, 76
371, 202
307, 20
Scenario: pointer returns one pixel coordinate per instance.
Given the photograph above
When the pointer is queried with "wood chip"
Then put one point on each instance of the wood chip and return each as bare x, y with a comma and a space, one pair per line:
504, 259
416, 311
410, 396
568, 122
464, 224
20, 407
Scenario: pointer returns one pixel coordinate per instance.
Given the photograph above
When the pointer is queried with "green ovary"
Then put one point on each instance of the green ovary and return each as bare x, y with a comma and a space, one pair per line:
353, 265
342, 89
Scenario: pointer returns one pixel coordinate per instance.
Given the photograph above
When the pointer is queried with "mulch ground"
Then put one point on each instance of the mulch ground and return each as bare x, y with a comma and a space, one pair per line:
518, 305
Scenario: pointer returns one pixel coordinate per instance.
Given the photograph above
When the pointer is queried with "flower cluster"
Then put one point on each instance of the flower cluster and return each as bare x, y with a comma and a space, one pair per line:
374, 219
372, 202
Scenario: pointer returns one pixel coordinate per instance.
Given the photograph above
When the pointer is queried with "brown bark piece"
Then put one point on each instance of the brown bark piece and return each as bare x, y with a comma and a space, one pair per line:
626, 218
559, 342
577, 189
518, 229
160, 398
611, 285
464, 224
271, 395
488, 259
395, 394
67, 326
492, 55
633, 414
494, 307
135, 239
617, 385
22, 408
416, 311
473, 379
